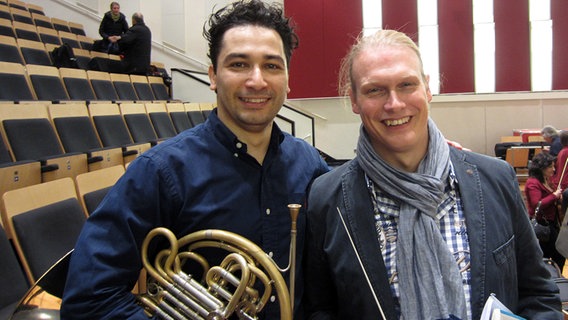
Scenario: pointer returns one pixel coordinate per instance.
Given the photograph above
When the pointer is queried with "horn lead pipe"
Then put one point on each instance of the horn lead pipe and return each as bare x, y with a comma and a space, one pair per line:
294, 212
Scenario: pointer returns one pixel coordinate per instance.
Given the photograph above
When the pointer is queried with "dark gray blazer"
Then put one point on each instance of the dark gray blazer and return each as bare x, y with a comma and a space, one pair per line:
505, 256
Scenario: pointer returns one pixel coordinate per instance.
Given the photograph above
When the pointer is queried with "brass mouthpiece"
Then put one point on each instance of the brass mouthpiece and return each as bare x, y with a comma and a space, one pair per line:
294, 212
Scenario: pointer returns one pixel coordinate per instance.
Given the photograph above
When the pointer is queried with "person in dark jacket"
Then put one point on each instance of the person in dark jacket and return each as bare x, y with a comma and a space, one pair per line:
136, 46
412, 228
236, 172
113, 24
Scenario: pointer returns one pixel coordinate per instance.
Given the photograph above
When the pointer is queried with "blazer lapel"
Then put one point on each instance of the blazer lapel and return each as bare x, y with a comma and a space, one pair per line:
468, 180
358, 216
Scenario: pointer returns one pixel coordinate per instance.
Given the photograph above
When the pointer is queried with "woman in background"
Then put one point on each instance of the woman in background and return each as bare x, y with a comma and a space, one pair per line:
113, 24
539, 189
560, 178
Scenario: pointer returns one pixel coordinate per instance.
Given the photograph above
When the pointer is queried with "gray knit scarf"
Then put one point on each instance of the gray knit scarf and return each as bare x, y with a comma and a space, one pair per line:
430, 282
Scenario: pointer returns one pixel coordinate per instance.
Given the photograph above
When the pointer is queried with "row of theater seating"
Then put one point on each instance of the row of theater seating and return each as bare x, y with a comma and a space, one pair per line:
40, 225
62, 140
39, 82
24, 51
57, 162
22, 30
28, 13
17, 4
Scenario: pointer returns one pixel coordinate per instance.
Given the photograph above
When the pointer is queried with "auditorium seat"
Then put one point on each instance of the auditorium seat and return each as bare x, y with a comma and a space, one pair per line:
76, 28
48, 35
113, 131
93, 186
13, 280
101, 61
18, 4
86, 42
194, 113
44, 222
83, 58
159, 88
16, 174
6, 28
14, 83
9, 50
518, 157
30, 135
60, 24
70, 38
98, 54
161, 120
77, 84
5, 12
34, 52
138, 123
42, 21
142, 87
47, 83
114, 57
34, 8
179, 116
77, 134
123, 87
26, 31
21, 15
102, 85
206, 108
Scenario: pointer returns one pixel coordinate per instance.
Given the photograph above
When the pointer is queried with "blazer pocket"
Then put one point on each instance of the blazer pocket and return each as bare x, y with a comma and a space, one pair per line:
504, 257
505, 252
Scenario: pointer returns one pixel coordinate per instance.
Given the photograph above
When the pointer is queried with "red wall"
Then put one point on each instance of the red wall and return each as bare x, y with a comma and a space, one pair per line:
512, 45
558, 9
327, 28
401, 15
455, 38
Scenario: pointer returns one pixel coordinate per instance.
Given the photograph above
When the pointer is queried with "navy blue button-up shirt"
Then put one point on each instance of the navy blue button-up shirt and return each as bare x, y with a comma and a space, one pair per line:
201, 179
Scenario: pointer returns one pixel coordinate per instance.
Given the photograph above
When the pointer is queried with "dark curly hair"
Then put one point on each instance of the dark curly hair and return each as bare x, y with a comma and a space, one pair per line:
540, 162
248, 12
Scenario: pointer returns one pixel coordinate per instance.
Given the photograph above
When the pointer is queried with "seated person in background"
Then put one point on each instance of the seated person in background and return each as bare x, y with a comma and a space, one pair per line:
560, 178
135, 46
113, 24
413, 228
539, 189
550, 135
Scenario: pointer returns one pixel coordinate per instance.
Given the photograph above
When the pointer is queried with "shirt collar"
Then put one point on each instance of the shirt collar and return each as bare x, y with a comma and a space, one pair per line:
230, 141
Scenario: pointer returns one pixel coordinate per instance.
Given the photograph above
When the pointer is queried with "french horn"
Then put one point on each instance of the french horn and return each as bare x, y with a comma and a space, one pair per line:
241, 285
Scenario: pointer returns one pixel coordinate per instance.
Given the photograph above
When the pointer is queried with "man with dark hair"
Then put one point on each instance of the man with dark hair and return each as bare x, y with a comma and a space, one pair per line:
237, 172
135, 46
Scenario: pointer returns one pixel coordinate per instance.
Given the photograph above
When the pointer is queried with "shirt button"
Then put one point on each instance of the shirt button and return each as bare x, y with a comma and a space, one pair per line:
236, 155
239, 145
270, 254
267, 211
272, 298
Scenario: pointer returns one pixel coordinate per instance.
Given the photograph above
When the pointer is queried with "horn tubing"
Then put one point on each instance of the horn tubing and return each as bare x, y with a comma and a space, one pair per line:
245, 255
294, 212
